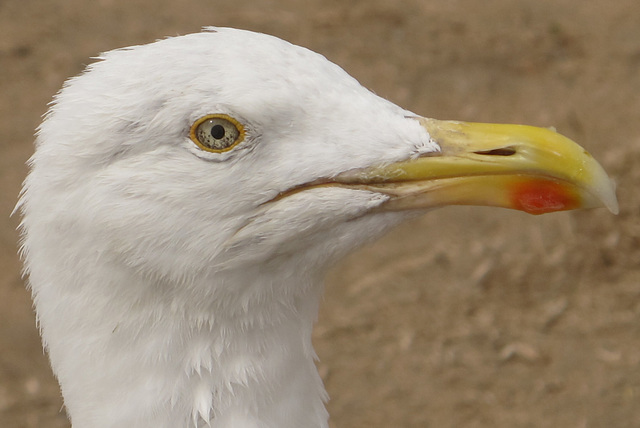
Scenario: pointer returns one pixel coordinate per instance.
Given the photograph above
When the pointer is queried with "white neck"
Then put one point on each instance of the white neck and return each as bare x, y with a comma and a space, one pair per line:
172, 361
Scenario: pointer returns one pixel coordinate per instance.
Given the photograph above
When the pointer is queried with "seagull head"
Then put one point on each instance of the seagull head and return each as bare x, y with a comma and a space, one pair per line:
307, 159
212, 178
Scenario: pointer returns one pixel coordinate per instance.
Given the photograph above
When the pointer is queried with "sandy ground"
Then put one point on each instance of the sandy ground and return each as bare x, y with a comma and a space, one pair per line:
467, 317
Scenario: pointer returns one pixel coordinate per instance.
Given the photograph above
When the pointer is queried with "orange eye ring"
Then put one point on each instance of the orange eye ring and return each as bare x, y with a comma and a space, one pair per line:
217, 133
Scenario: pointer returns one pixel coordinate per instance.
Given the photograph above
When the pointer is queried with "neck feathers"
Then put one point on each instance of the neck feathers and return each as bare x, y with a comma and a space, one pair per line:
167, 361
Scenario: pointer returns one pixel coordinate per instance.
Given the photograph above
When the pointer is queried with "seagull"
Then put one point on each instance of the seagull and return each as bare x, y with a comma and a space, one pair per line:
186, 197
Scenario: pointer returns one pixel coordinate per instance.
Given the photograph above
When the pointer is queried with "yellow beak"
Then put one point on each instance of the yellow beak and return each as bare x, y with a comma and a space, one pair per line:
531, 169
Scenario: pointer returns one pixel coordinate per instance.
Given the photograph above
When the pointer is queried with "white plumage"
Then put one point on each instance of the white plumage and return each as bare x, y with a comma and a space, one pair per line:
177, 286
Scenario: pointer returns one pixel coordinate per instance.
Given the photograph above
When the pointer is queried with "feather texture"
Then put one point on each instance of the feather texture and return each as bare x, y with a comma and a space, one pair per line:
172, 287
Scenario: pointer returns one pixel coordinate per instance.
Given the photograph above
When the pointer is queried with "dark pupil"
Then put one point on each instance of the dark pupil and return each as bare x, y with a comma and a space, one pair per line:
217, 131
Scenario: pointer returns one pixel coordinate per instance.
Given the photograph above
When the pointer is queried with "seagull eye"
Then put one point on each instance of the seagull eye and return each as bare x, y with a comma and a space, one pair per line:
217, 133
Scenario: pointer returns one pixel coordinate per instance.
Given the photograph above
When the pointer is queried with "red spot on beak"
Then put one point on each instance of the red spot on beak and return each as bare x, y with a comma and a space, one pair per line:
539, 196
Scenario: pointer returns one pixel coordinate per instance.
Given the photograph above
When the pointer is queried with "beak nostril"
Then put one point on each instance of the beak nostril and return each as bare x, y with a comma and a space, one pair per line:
504, 151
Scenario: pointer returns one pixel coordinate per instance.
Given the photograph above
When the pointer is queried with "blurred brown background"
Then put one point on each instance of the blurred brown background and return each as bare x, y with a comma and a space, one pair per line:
467, 317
